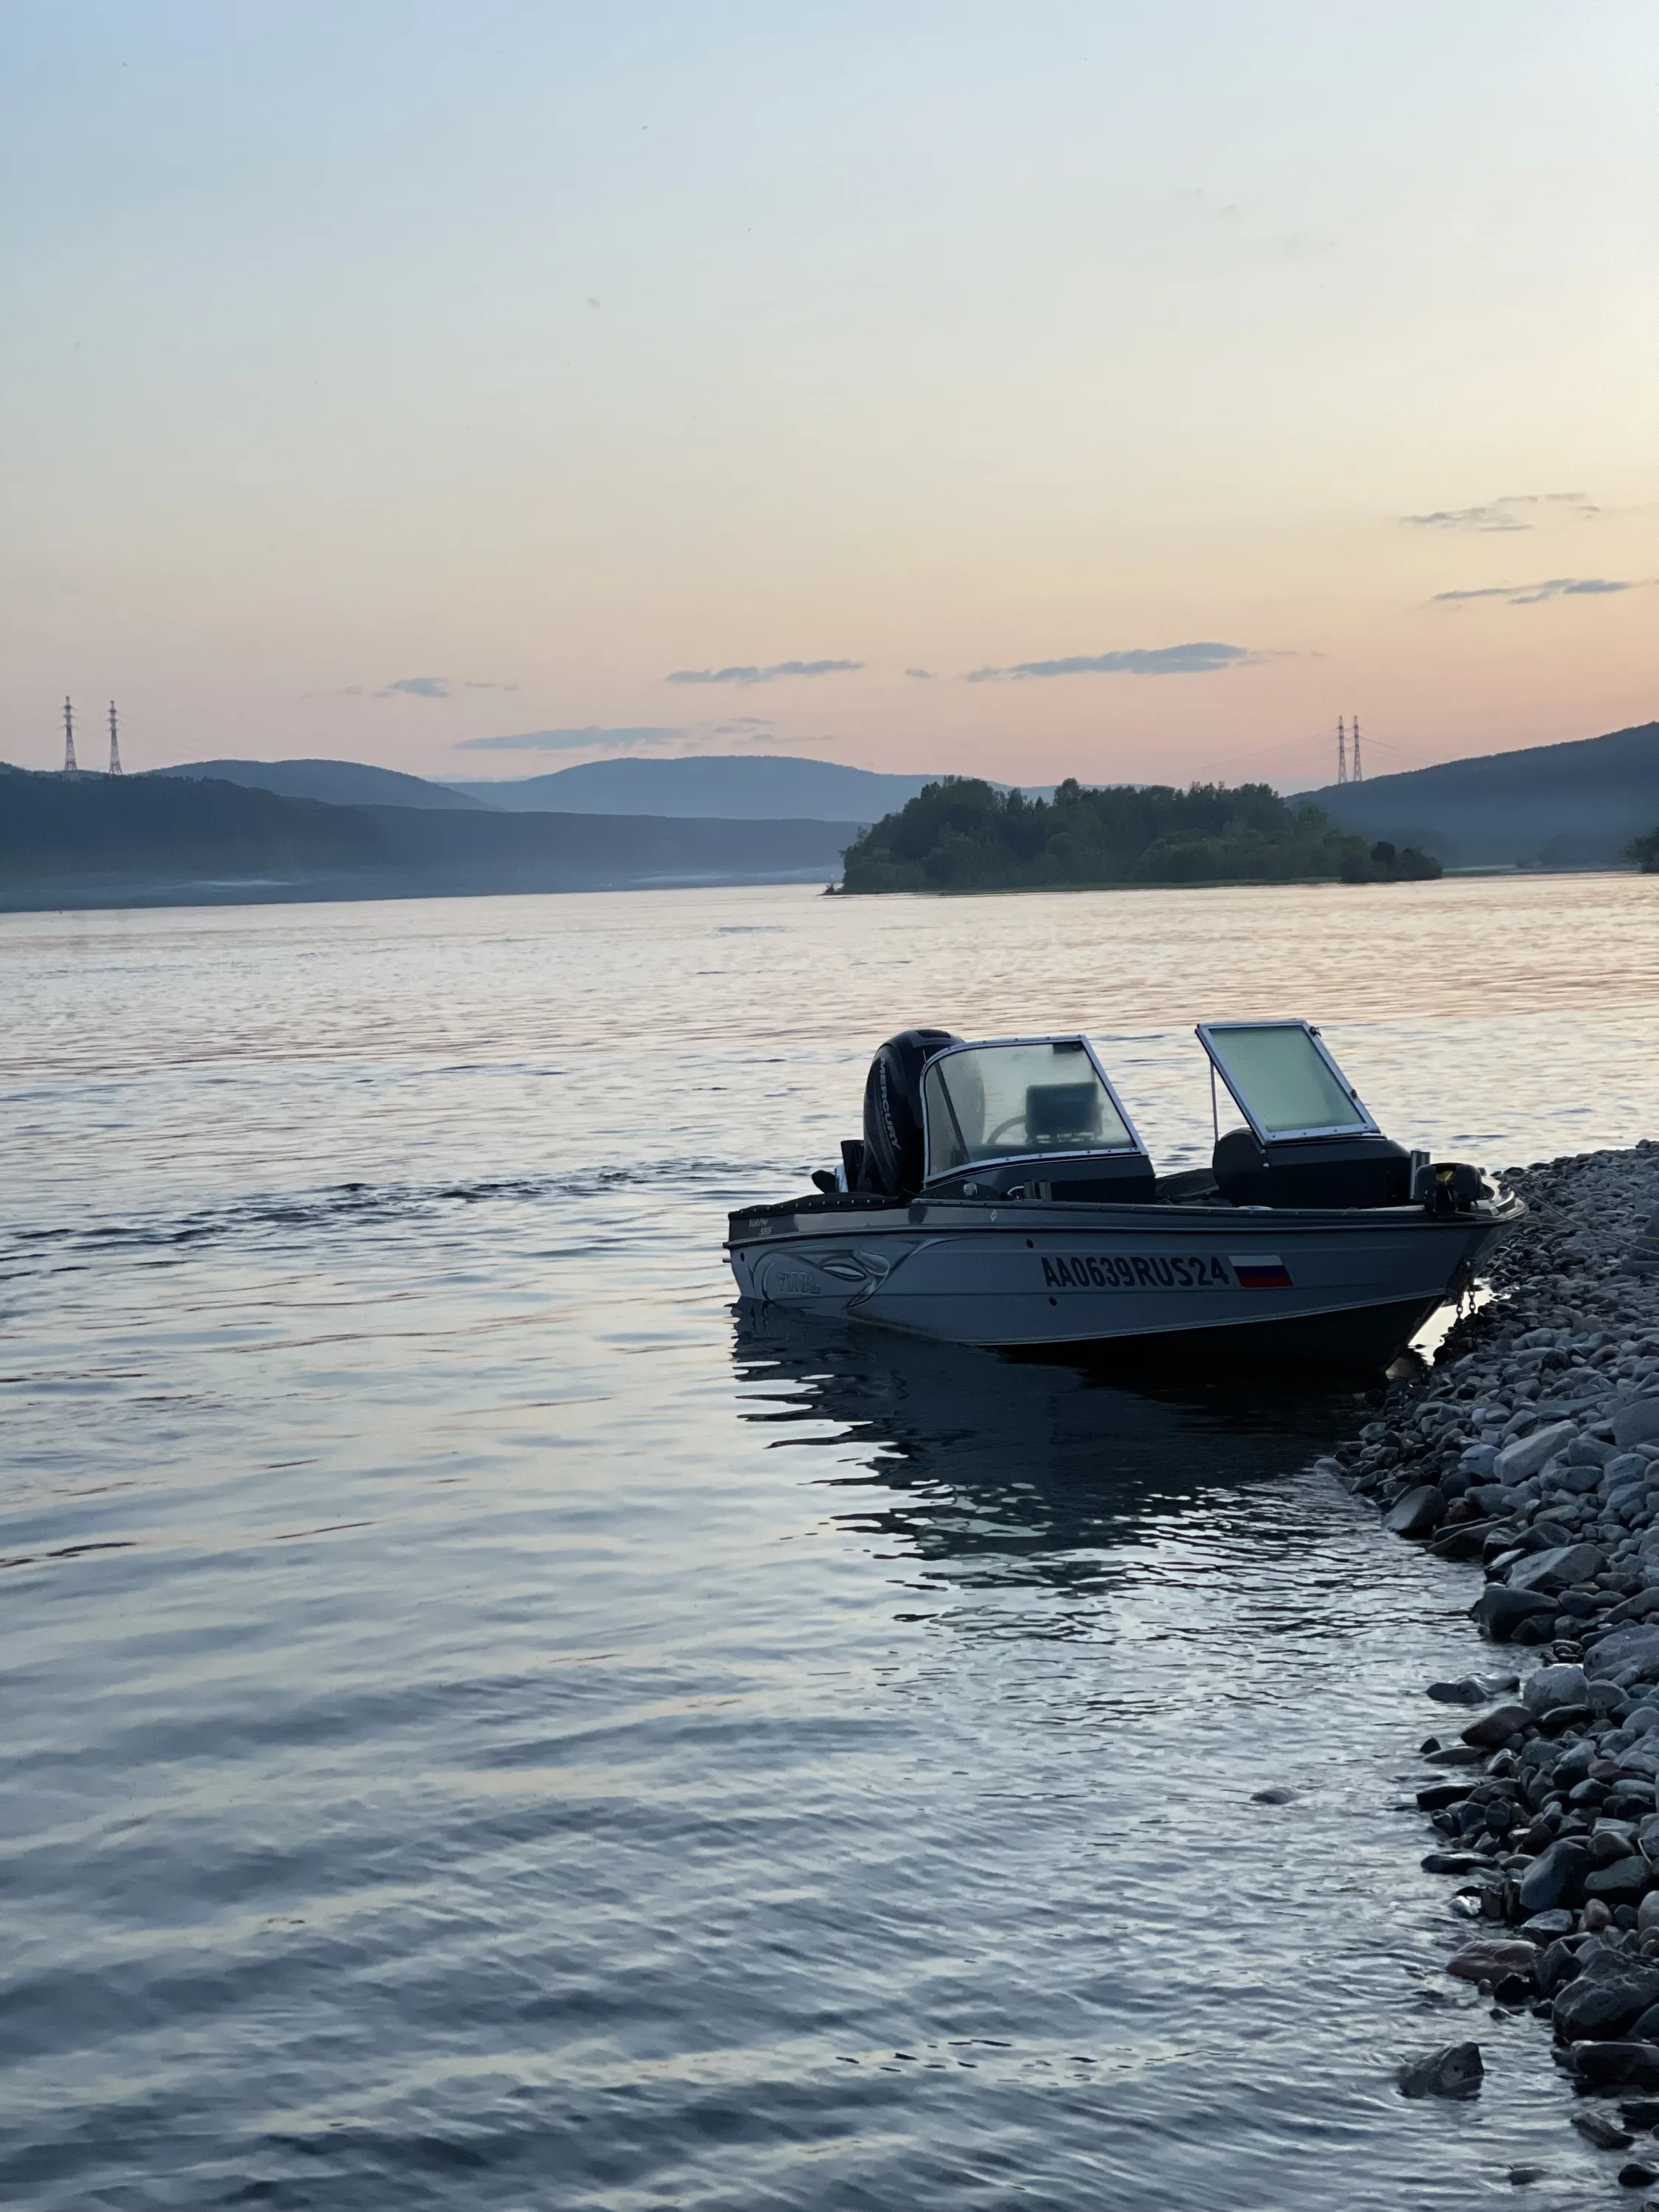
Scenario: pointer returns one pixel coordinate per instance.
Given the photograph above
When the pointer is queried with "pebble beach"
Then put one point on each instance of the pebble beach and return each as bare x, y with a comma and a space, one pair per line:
1531, 1449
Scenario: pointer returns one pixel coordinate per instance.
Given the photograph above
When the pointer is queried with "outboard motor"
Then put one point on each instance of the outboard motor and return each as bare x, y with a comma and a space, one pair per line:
892, 1111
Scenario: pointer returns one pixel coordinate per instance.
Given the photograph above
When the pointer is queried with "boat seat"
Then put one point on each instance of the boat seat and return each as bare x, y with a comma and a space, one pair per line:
1319, 1171
1189, 1186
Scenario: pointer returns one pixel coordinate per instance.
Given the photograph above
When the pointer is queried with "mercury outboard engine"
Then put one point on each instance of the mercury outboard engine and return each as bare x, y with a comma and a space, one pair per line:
892, 1111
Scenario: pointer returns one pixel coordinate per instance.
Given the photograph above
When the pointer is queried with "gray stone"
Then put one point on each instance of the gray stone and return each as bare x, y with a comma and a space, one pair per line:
1604, 2134
1435, 1796
1616, 2065
1612, 1839
1589, 1451
1500, 1611
1576, 1481
1624, 1651
1497, 1726
1490, 1961
1647, 1912
1556, 1876
1456, 2071
1490, 1497
1560, 1962
1609, 1992
1478, 1460
1527, 1454
1633, 1422
1418, 1513
1467, 1691
1278, 1794
1554, 1686
1575, 1763
1628, 1467
1556, 1568
1625, 1882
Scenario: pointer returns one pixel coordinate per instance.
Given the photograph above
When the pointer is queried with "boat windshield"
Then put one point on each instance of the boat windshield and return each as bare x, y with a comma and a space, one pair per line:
1285, 1083
991, 1102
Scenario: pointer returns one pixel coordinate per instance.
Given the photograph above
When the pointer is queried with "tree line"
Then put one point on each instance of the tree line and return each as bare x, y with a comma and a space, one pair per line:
963, 834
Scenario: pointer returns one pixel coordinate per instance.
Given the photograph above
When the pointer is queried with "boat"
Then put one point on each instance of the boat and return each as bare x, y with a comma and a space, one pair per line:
1000, 1195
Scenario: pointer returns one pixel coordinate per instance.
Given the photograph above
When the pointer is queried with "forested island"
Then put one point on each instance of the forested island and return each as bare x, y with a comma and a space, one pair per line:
962, 834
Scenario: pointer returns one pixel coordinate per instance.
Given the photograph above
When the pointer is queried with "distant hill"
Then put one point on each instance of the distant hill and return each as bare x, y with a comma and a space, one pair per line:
338, 783
733, 787
1569, 805
99, 841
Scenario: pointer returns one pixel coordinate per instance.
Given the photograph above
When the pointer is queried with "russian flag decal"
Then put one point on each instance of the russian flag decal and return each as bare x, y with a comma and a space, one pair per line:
1260, 1270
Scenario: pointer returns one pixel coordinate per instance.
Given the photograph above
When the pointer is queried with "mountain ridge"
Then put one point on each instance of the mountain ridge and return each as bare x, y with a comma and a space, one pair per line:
726, 786
101, 841
1575, 804
334, 782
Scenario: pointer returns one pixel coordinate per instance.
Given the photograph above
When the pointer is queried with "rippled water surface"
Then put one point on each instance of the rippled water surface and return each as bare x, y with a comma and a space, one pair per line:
487, 1729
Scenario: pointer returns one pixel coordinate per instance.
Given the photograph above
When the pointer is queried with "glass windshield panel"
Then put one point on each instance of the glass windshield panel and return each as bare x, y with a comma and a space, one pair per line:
1285, 1080
1002, 1100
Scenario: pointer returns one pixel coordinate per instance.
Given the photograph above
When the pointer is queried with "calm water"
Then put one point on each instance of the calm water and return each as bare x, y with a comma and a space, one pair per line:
486, 1730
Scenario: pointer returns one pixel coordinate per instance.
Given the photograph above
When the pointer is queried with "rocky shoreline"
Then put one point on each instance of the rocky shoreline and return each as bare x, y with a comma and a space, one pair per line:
1533, 1449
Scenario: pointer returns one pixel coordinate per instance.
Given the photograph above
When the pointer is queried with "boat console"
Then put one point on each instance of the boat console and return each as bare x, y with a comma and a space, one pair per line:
1036, 1116
1310, 1140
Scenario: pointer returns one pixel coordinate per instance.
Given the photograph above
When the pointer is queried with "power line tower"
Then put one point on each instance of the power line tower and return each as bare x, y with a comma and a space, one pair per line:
1359, 772
1341, 750
70, 768
114, 744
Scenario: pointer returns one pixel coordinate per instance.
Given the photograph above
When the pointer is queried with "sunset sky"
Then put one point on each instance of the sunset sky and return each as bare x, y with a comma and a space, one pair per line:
1097, 390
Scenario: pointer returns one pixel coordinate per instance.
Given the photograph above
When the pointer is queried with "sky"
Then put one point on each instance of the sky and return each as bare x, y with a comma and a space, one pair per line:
1091, 390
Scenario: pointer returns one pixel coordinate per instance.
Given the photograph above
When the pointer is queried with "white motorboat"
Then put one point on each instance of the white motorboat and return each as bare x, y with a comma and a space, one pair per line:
1001, 1196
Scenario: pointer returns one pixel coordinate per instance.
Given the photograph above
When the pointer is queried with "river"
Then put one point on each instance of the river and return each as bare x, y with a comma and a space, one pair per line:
487, 1728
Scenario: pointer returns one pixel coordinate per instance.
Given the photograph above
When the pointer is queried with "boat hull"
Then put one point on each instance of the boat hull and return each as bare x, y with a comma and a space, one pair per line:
1349, 1287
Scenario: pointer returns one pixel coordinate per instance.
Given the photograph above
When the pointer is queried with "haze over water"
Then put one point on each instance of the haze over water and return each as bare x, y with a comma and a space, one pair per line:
488, 1730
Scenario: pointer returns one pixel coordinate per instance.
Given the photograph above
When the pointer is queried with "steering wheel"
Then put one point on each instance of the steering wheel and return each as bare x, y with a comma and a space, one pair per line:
1013, 1121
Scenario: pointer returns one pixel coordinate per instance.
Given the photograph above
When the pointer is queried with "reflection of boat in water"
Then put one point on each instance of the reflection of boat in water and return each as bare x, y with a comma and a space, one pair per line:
1000, 1196
960, 1452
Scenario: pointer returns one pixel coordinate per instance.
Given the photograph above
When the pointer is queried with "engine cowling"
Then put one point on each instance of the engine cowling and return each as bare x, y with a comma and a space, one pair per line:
892, 1111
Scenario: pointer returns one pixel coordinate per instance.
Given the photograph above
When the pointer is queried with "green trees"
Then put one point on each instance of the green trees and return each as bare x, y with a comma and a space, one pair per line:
1644, 851
962, 834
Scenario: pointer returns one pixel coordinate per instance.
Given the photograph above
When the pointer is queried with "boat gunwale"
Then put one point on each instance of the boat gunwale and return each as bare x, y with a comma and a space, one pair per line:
1504, 1212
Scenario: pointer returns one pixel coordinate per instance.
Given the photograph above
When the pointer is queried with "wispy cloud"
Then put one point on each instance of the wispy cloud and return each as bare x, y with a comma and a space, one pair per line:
590, 738
1531, 595
921, 675
419, 687
415, 687
749, 674
1515, 511
1196, 659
